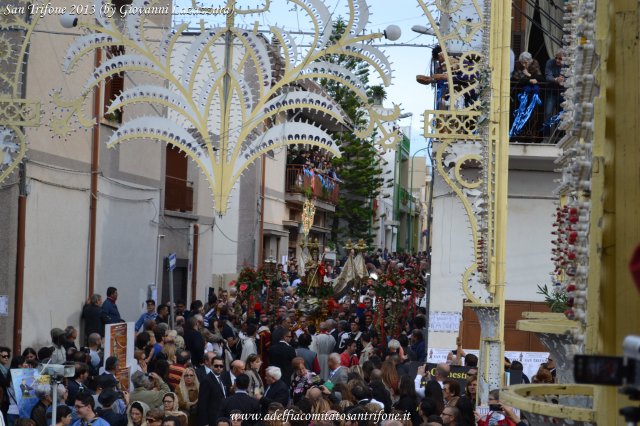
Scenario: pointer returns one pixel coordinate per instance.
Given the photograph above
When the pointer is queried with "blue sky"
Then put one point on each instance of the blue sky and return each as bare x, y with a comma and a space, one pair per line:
406, 61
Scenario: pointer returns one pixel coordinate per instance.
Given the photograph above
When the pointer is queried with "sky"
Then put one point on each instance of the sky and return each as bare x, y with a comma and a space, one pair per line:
407, 61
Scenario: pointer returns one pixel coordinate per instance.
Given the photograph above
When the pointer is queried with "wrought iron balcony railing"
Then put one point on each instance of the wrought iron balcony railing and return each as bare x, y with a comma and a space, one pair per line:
314, 184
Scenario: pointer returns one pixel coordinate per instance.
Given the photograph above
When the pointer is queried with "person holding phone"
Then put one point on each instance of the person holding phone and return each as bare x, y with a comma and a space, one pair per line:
496, 415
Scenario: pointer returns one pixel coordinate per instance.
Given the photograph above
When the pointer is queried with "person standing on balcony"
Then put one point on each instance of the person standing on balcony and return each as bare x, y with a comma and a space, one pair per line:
555, 79
527, 70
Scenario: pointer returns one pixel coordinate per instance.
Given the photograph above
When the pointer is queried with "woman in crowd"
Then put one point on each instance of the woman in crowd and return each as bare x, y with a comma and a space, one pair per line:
303, 379
171, 407
30, 354
433, 391
451, 392
137, 414
253, 364
471, 389
187, 392
390, 378
408, 400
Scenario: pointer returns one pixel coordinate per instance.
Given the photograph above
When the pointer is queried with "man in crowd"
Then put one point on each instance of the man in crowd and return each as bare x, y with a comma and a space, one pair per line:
337, 372
229, 377
211, 392
84, 406
240, 400
148, 389
94, 342
281, 354
276, 391
149, 315
93, 316
109, 307
348, 357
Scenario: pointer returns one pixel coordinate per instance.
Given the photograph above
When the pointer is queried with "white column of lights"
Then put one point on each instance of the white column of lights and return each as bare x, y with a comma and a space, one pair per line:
571, 244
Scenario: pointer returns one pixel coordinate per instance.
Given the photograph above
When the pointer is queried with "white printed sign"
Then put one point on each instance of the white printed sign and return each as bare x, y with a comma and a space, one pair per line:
445, 322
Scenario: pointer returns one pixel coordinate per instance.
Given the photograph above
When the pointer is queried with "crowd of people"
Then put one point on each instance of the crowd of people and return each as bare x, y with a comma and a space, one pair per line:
221, 364
314, 160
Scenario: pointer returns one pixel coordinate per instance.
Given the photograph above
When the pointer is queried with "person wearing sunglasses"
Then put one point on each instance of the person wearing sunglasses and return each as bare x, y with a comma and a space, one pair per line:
212, 391
187, 391
155, 416
171, 409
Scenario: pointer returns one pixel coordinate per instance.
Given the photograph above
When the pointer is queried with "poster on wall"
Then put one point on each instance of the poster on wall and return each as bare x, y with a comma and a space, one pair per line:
119, 342
444, 322
24, 382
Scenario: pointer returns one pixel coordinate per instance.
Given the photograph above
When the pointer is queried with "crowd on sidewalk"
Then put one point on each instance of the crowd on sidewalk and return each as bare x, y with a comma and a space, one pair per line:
220, 361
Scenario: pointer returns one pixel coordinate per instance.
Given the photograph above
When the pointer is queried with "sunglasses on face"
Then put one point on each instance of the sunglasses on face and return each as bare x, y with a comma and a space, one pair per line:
218, 366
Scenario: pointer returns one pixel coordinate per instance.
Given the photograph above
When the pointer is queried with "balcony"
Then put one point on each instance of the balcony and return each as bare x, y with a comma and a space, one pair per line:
405, 200
532, 131
316, 185
178, 194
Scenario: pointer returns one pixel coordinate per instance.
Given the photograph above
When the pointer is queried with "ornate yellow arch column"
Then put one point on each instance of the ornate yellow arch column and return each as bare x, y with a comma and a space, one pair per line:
471, 126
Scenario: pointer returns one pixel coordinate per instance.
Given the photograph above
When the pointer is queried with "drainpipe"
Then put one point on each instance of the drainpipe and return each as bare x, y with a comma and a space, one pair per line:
93, 200
19, 292
261, 239
22, 221
194, 271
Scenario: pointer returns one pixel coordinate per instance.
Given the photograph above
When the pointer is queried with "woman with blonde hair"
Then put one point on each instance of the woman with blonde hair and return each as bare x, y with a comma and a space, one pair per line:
169, 351
321, 405
187, 392
358, 370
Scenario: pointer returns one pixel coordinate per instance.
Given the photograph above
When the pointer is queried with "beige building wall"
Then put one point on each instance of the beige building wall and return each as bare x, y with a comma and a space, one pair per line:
58, 183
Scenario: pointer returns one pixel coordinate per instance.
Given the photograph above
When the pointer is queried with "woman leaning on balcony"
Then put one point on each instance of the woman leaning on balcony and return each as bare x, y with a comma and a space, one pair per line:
527, 70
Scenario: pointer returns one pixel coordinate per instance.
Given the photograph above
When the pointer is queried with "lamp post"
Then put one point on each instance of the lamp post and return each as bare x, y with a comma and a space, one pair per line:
411, 193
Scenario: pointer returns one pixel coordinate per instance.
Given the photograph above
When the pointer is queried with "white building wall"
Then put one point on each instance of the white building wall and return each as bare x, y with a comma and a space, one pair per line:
528, 263
55, 273
126, 232
57, 217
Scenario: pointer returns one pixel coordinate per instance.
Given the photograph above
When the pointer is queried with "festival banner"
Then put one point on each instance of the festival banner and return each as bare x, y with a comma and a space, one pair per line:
119, 342
530, 360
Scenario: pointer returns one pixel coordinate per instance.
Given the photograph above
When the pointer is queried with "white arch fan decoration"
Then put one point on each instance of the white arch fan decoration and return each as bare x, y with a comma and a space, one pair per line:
220, 115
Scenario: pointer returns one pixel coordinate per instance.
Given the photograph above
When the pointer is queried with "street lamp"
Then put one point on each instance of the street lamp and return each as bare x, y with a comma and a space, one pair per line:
421, 29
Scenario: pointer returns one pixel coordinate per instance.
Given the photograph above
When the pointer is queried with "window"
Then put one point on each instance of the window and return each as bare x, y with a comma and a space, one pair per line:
178, 190
113, 86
